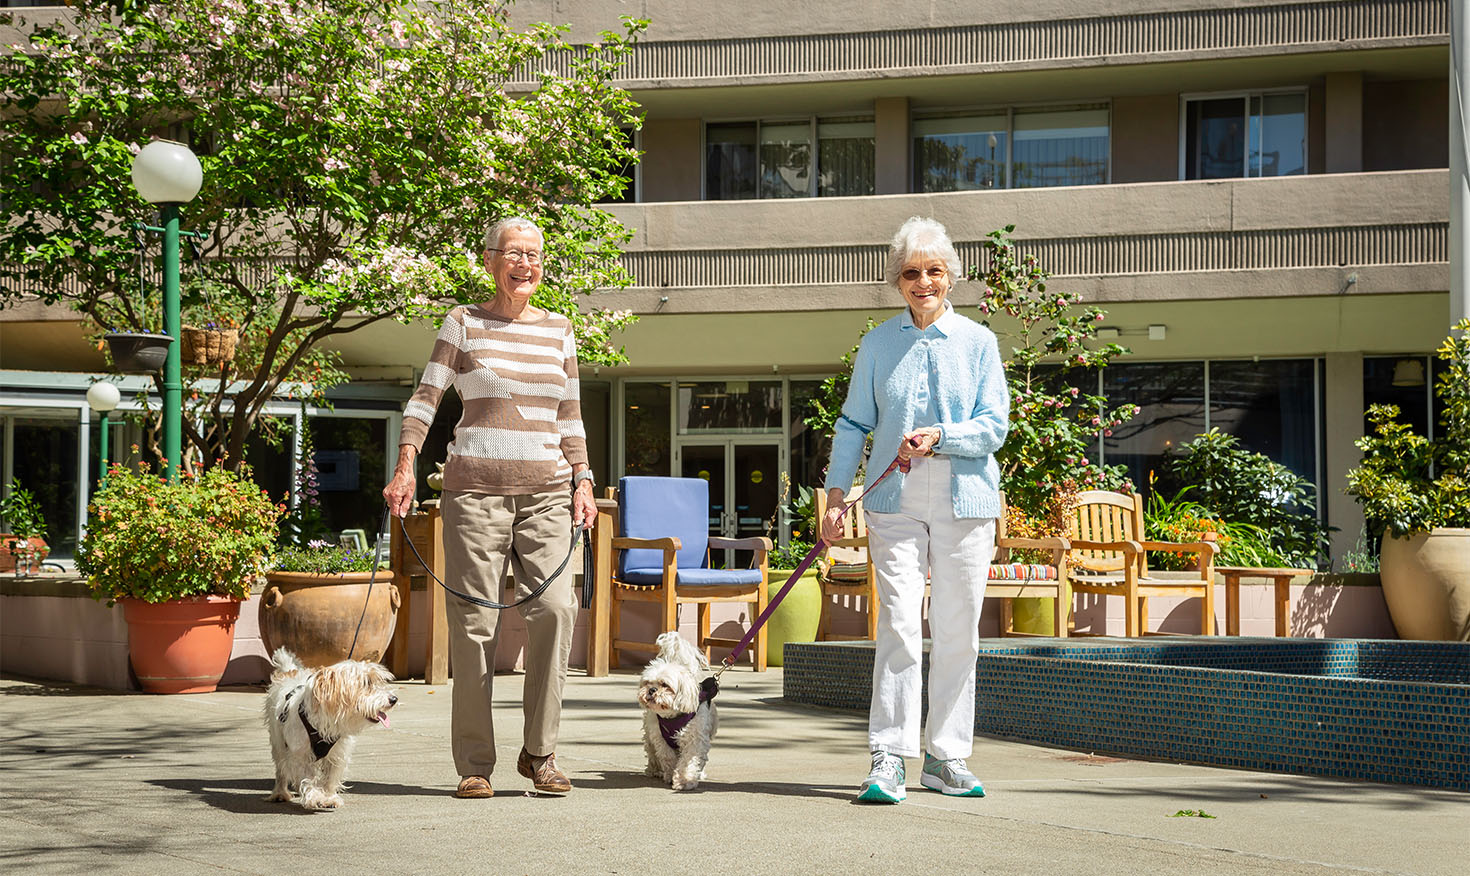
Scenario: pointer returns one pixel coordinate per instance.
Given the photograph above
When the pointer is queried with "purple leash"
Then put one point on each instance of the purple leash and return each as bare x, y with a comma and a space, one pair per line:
811, 557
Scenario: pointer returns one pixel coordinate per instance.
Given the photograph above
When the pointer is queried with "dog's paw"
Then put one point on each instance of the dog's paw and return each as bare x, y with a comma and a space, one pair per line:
279, 797
321, 803
685, 784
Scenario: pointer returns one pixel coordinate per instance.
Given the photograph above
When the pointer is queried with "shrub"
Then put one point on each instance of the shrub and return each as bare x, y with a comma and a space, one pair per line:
1183, 520
1244, 487
322, 558
1406, 483
155, 541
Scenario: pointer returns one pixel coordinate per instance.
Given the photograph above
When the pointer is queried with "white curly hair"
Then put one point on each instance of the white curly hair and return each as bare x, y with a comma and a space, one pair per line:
920, 237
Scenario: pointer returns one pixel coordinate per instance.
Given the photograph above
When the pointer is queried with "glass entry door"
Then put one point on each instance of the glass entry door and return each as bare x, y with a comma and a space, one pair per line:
744, 483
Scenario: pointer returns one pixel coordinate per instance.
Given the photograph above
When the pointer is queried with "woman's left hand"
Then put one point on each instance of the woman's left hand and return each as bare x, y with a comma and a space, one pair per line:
919, 442
584, 506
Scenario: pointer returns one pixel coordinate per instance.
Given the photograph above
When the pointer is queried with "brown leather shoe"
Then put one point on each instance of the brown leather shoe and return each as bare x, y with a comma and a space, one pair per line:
474, 788
543, 773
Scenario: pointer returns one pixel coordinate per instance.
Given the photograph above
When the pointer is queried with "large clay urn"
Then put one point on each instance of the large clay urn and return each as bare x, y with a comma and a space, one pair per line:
1426, 583
316, 616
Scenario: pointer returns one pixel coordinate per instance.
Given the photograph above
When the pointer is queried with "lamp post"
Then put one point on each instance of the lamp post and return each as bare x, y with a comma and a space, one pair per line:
168, 174
103, 397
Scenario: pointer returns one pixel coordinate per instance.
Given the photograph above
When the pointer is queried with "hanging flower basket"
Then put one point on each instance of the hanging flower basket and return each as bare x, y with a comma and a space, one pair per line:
208, 346
138, 352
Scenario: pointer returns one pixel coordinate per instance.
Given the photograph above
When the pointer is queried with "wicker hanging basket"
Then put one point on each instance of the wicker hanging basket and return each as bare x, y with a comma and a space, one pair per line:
208, 346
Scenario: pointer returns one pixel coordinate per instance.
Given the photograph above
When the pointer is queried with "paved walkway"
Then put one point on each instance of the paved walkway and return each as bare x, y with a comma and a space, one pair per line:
104, 782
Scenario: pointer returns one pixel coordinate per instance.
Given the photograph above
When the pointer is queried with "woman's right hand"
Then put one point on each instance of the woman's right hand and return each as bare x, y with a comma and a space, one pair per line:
832, 521
399, 492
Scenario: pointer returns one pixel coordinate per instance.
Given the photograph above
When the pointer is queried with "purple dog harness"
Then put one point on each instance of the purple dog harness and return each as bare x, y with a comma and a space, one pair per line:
669, 728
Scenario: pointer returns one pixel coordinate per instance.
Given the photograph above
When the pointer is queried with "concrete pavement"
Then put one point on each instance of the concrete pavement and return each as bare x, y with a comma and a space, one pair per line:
108, 782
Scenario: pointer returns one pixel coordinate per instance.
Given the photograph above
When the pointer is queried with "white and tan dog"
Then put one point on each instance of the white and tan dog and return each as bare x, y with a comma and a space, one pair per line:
679, 717
313, 717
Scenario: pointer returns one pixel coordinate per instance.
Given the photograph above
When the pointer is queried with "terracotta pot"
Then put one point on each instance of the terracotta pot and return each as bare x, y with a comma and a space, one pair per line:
1426, 583
180, 646
315, 616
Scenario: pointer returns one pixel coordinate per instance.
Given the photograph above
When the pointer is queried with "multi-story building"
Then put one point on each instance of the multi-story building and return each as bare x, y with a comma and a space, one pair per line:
1256, 192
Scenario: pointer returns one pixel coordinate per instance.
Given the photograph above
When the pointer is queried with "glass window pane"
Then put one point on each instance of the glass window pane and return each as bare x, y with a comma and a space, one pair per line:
1060, 147
786, 160
45, 464
646, 429
349, 455
959, 153
1172, 398
1398, 380
1214, 138
1283, 135
729, 161
1271, 407
730, 406
845, 158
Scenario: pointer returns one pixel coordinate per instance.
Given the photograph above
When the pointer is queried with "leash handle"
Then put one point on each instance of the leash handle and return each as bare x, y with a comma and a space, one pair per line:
902, 465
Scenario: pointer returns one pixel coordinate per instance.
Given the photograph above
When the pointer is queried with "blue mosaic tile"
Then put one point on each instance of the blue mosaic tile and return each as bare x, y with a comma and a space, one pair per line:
1375, 710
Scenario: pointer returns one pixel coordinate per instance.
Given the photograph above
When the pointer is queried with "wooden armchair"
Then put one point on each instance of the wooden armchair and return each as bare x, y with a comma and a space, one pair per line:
1010, 581
660, 554
847, 570
1109, 558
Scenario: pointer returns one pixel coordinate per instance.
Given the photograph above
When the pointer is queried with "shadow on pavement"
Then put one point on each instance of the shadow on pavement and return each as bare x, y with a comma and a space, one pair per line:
248, 796
609, 780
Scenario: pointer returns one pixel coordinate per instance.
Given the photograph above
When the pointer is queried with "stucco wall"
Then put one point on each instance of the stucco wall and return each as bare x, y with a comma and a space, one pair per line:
672, 159
1406, 124
1145, 136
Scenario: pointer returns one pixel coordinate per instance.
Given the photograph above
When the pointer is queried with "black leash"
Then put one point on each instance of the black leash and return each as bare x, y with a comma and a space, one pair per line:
377, 558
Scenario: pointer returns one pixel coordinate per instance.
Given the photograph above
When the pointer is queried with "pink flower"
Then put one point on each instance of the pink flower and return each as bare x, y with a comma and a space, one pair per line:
79, 138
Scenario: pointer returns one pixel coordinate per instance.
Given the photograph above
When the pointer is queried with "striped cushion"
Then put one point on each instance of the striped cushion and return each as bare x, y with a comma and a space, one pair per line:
1022, 572
855, 573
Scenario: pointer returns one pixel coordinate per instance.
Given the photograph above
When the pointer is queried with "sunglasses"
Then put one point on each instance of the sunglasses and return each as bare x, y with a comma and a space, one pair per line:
912, 274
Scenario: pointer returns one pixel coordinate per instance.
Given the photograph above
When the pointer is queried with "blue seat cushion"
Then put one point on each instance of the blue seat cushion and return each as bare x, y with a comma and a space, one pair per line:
694, 577
651, 507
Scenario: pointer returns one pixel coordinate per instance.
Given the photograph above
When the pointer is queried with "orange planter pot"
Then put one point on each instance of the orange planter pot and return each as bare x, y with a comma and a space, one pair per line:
181, 646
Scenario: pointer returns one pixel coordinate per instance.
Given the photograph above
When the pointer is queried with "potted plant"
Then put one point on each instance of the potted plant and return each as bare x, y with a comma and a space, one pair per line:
180, 558
25, 544
210, 344
795, 619
326, 603
1418, 492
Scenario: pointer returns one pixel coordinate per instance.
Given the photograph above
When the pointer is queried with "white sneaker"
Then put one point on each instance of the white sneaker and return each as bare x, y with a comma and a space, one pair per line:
885, 783
950, 777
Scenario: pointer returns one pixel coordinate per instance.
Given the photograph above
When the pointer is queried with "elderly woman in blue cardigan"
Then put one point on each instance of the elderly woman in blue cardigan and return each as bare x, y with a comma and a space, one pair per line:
929, 384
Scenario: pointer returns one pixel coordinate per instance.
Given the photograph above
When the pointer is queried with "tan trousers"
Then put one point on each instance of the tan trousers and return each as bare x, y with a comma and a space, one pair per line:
479, 534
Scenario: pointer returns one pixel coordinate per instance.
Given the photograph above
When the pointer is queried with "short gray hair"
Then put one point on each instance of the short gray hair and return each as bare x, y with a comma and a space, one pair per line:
516, 223
921, 237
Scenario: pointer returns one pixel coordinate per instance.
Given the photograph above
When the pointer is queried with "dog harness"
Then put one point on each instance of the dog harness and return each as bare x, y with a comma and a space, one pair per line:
320, 747
669, 728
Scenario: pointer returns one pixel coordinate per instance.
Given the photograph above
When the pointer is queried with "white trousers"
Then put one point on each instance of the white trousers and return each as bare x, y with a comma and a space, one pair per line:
925, 540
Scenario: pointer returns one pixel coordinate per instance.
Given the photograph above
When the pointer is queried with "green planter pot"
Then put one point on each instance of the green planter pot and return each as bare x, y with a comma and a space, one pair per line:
795, 619
1034, 615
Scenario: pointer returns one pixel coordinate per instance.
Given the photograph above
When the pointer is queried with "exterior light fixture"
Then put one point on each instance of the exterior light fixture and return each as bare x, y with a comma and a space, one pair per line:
1408, 372
103, 398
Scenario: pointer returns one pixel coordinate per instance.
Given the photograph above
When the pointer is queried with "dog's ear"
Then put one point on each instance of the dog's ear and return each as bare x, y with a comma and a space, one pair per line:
686, 690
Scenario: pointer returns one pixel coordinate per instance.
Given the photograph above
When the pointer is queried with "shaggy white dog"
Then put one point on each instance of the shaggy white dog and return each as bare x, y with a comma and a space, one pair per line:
679, 717
313, 715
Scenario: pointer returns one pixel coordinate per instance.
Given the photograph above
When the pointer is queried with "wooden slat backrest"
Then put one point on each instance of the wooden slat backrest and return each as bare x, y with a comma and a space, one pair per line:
1101, 515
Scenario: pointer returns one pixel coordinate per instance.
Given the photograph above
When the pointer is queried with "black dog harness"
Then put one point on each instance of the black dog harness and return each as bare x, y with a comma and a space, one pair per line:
320, 747
669, 728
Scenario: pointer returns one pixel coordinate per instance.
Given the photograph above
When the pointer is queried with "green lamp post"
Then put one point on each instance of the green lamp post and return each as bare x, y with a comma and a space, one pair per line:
103, 397
168, 174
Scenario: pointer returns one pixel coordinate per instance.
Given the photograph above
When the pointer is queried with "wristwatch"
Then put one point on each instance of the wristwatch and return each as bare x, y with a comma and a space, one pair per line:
583, 475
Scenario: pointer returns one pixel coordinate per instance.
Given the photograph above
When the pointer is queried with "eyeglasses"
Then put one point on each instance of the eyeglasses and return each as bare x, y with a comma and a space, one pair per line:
529, 257
912, 274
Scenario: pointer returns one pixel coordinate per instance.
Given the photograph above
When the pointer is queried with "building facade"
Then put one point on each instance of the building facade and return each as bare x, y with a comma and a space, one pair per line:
1257, 193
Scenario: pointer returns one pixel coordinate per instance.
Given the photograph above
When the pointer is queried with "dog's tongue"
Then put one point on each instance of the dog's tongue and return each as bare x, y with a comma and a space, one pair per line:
383, 719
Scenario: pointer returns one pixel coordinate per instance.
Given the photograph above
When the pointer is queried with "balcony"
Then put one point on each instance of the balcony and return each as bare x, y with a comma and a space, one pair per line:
1353, 234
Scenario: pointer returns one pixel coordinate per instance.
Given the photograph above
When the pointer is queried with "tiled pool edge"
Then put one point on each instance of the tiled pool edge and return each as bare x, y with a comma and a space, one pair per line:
1388, 731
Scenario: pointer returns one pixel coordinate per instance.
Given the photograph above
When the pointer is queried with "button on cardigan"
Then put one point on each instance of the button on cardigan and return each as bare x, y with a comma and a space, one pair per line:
896, 364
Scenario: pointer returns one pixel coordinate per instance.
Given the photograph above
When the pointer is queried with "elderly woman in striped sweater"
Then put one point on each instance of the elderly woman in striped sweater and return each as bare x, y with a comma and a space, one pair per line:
516, 478
929, 384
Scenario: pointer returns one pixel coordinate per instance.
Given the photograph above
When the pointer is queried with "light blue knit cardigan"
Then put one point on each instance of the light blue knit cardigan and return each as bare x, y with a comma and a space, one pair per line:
973, 403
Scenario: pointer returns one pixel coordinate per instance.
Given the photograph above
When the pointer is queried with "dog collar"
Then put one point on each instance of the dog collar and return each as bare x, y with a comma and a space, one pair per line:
669, 728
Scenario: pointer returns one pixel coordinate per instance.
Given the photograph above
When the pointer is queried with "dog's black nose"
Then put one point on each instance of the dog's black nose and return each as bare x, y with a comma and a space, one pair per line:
392, 699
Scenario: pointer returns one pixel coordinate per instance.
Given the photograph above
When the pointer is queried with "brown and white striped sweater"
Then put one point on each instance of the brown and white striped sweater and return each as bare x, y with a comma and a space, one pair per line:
522, 426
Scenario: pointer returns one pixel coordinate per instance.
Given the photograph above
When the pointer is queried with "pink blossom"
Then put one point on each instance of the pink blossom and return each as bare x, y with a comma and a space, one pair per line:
79, 138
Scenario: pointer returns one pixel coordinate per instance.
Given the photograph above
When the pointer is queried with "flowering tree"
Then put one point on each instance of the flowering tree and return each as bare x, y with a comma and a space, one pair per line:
353, 151
1055, 427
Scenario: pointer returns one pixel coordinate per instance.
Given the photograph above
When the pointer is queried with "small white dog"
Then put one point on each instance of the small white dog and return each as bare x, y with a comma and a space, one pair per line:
313, 717
679, 717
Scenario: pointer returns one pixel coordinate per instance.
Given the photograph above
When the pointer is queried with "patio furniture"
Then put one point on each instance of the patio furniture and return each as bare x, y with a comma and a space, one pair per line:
1010, 581
845, 569
1109, 558
660, 554
1279, 578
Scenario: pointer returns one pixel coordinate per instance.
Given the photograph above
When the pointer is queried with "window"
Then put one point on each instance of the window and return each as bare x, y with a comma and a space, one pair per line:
1271, 406
1022, 148
1404, 381
777, 159
730, 406
1171, 396
646, 429
1245, 135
